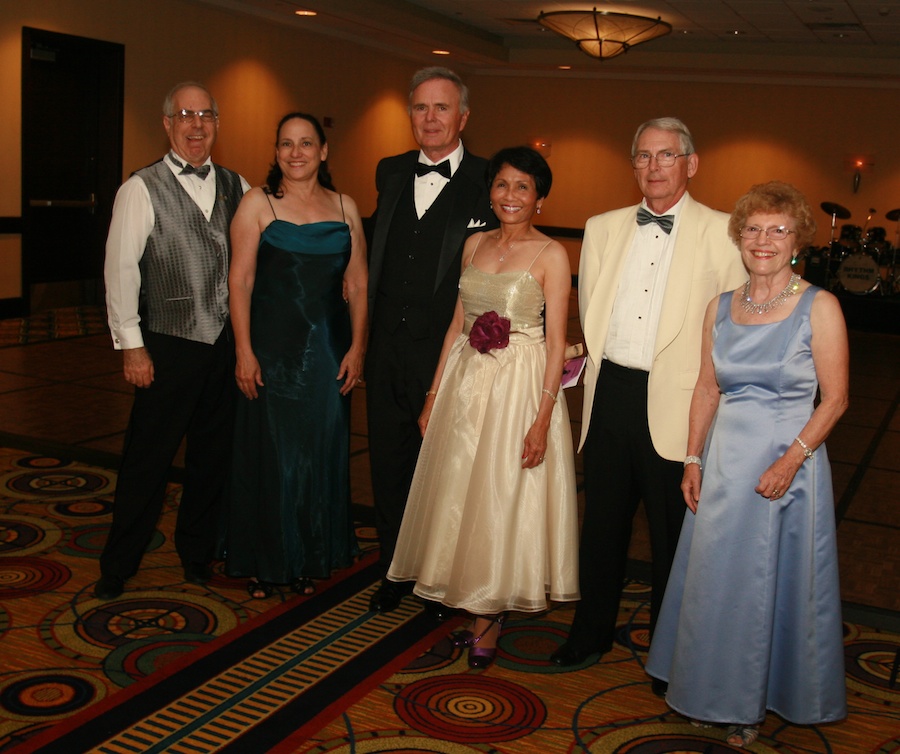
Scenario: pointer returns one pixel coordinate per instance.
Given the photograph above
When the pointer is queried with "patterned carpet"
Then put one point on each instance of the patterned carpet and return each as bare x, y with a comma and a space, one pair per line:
173, 667
63, 650
55, 324
524, 704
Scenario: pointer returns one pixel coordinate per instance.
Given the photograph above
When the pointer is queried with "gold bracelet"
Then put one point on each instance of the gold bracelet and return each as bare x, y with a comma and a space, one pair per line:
430, 392
552, 397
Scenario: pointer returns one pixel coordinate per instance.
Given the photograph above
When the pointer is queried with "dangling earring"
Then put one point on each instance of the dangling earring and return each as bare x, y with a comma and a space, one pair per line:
539, 210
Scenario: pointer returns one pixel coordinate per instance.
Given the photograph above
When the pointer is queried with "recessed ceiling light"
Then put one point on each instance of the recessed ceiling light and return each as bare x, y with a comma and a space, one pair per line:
564, 67
305, 13
441, 52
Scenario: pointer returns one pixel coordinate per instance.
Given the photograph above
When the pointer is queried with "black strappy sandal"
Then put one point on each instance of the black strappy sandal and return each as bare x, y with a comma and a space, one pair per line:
259, 590
304, 586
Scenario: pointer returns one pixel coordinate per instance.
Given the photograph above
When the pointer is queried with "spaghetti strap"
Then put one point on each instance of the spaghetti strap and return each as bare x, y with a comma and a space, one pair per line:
343, 219
478, 241
269, 200
538, 254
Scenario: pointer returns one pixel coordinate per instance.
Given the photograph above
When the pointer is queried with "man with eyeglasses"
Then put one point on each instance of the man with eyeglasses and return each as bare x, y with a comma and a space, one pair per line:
646, 275
167, 257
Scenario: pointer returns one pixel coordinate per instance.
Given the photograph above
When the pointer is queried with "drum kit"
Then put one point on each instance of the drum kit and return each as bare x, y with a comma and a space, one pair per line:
860, 260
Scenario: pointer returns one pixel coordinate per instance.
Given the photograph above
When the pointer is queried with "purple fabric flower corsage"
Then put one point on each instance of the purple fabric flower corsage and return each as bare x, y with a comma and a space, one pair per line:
489, 331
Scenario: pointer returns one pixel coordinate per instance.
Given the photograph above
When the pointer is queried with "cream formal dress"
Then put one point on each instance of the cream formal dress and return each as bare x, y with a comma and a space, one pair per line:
479, 531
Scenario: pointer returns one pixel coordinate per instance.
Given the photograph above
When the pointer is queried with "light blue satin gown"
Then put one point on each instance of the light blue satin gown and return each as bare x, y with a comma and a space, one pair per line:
751, 618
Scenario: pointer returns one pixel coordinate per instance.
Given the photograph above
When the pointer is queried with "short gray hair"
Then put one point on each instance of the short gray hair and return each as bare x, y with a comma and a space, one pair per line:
674, 125
439, 72
169, 101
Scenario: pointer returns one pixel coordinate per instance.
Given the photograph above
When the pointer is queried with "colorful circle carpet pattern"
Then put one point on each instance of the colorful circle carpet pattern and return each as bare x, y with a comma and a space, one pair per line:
64, 651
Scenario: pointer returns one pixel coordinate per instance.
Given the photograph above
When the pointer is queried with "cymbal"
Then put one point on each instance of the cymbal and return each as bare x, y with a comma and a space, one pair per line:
836, 209
893, 215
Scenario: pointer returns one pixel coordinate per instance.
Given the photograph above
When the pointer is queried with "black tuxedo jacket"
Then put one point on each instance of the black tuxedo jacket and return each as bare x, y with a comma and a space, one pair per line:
470, 213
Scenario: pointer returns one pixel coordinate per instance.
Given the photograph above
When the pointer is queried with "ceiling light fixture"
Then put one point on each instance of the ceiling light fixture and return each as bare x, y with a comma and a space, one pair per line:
440, 52
604, 34
305, 13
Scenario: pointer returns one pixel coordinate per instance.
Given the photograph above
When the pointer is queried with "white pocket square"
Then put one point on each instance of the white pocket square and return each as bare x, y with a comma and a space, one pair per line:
473, 223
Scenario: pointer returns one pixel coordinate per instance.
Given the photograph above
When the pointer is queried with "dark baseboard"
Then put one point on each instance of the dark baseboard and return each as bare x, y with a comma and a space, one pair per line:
11, 225
12, 307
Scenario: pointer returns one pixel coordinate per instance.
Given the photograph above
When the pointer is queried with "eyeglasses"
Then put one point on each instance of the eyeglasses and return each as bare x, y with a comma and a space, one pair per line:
187, 116
775, 233
663, 159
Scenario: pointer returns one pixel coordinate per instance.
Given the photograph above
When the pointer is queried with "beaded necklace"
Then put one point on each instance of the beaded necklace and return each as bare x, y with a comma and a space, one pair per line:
764, 308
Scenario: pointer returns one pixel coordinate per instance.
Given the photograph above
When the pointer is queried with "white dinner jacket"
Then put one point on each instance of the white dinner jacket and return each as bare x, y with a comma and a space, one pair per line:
705, 263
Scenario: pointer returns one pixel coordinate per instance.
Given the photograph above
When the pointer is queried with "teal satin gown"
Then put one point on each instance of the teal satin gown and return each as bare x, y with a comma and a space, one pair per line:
751, 619
289, 513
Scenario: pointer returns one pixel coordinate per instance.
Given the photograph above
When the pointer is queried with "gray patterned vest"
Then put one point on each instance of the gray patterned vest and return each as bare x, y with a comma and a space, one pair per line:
184, 269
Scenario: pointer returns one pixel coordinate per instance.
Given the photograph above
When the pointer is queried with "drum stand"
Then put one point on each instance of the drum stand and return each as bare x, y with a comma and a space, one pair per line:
892, 281
836, 211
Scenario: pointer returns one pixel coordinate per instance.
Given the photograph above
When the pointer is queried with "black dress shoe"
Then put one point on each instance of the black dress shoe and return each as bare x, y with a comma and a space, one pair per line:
438, 611
568, 655
109, 587
387, 597
658, 687
197, 573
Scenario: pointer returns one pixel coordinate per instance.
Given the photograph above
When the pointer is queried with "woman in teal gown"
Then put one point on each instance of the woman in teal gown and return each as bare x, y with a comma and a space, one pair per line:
751, 619
298, 307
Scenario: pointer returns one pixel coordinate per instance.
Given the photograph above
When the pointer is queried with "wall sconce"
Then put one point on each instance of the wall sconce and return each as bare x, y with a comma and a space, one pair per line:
542, 145
859, 164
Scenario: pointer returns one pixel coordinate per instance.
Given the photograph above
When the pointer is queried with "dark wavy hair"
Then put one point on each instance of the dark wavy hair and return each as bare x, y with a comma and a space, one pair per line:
528, 161
774, 198
273, 179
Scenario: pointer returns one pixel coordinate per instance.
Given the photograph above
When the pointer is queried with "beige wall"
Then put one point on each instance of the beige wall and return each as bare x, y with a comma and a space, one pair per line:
259, 70
802, 135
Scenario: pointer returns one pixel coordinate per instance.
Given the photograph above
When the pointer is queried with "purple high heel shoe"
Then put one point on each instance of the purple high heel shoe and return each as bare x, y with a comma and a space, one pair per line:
479, 657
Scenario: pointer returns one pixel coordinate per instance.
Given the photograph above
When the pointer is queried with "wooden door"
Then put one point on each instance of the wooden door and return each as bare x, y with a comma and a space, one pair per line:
72, 116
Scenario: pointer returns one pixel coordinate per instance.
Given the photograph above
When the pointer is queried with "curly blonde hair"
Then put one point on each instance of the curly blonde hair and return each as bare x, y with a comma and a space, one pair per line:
775, 198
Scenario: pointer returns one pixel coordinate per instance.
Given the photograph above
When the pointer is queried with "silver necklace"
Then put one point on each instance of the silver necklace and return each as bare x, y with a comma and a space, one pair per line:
508, 248
764, 308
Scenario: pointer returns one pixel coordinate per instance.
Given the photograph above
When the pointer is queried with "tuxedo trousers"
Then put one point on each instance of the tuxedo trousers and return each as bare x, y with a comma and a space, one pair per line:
399, 369
192, 398
622, 468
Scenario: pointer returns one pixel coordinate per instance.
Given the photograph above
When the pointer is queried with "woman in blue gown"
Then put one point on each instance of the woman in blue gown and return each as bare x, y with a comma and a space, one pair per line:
298, 308
751, 619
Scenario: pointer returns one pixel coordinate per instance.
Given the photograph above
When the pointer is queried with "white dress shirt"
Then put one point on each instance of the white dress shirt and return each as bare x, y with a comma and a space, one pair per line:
635, 315
132, 222
427, 187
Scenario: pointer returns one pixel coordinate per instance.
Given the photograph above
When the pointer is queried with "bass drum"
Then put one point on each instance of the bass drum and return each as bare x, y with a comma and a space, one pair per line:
859, 273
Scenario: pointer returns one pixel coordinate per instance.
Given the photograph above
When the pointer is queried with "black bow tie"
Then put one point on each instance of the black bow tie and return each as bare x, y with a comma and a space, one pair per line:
442, 167
645, 217
200, 172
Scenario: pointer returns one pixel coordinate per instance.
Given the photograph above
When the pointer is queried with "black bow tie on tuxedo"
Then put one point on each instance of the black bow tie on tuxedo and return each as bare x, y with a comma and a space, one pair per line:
645, 217
200, 172
442, 167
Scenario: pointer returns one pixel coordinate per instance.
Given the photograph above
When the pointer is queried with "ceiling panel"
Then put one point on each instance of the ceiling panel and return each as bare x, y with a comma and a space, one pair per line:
855, 39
